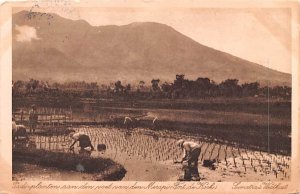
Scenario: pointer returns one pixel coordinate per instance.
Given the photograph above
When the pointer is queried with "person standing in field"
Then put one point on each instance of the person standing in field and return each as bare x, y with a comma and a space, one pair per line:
191, 153
33, 118
84, 142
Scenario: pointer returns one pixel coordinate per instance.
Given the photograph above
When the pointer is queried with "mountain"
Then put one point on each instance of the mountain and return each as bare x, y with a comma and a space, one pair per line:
62, 49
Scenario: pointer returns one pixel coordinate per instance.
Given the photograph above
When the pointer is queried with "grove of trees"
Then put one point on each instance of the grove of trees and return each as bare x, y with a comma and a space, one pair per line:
179, 88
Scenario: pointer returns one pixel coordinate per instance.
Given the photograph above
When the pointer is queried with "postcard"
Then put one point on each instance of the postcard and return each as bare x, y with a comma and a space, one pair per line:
133, 96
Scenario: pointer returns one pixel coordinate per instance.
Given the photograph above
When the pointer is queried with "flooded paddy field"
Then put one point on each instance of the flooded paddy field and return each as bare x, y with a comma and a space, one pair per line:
149, 155
233, 132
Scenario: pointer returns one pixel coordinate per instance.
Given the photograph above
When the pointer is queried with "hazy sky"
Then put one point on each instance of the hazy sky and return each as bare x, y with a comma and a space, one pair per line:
257, 35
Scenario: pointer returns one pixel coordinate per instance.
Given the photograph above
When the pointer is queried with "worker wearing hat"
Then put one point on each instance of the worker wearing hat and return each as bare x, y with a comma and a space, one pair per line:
191, 153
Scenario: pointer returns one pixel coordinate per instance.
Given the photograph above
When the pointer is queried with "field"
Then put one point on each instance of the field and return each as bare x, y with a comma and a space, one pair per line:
146, 154
255, 123
248, 143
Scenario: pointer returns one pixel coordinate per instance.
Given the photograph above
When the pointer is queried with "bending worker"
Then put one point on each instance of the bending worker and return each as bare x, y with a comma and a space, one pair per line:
84, 141
191, 154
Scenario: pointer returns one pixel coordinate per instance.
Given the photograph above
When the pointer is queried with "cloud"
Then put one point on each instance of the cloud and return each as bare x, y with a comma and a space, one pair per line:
26, 33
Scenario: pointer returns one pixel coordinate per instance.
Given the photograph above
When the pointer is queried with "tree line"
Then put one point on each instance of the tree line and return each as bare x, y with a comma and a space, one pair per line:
179, 88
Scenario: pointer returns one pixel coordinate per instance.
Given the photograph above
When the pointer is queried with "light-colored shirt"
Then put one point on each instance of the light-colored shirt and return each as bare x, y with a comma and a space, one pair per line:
189, 146
77, 135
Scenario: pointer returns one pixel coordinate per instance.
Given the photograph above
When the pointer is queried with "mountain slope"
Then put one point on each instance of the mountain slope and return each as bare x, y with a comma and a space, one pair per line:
74, 50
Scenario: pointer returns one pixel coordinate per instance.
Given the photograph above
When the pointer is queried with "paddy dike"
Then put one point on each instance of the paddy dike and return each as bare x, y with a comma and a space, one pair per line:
26, 161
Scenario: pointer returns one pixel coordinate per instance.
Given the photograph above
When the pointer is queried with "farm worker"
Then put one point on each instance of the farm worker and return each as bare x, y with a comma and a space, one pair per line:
191, 152
84, 141
33, 118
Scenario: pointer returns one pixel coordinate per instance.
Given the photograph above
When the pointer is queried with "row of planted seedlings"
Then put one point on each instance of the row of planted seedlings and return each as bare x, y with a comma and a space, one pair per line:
265, 163
165, 149
133, 145
146, 146
244, 159
59, 143
137, 145
261, 163
46, 116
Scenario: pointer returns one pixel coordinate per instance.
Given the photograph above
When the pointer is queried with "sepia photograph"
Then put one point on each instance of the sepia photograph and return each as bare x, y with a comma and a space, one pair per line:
133, 95
160, 94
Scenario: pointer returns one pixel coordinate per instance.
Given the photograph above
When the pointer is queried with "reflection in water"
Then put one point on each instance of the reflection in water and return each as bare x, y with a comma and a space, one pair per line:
24, 144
